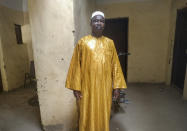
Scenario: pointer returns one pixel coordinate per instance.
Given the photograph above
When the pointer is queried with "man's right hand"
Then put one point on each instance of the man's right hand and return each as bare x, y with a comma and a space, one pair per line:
77, 94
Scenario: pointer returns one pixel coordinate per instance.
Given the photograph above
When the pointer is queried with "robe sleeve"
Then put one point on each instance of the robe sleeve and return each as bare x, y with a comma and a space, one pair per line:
117, 74
73, 80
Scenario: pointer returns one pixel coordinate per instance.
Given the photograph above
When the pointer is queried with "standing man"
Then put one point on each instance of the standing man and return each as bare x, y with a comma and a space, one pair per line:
93, 74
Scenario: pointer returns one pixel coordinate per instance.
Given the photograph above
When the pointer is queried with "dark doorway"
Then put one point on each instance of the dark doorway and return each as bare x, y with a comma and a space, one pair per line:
1, 84
180, 50
117, 30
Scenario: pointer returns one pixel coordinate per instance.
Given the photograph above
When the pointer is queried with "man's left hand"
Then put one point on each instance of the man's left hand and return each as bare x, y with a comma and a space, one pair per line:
116, 94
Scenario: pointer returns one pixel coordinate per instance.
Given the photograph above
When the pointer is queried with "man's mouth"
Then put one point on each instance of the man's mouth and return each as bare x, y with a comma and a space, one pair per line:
99, 27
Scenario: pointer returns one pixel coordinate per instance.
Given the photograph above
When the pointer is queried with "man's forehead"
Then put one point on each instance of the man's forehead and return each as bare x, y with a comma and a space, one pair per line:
98, 17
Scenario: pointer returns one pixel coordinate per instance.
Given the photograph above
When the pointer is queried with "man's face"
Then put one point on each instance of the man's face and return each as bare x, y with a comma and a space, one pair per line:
98, 24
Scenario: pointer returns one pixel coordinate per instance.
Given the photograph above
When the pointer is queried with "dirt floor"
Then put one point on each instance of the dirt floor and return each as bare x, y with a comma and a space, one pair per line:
148, 107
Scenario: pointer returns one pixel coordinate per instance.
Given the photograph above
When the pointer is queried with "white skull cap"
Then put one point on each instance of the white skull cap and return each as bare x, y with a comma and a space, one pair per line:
97, 13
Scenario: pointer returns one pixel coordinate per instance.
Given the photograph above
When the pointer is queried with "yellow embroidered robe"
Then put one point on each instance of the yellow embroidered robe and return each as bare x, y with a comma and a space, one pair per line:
94, 68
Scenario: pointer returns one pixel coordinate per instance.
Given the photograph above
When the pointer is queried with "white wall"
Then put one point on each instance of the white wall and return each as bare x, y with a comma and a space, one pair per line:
52, 26
82, 13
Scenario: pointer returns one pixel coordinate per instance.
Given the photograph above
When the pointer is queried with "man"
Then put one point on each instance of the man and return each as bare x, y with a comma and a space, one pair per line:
93, 74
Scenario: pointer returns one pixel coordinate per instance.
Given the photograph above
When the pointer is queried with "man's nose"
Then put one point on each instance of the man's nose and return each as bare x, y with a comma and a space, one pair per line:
99, 22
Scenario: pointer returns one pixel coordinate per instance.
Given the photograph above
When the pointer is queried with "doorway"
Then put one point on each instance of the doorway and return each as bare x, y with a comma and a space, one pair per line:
180, 50
117, 30
1, 84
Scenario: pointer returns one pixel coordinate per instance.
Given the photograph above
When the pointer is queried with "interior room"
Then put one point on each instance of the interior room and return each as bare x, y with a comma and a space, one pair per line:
37, 39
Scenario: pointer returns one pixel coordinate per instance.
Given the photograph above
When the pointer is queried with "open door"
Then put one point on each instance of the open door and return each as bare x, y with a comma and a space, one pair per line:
117, 30
180, 50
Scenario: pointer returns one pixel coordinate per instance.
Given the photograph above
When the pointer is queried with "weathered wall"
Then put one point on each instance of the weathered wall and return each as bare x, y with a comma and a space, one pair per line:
27, 39
15, 57
53, 43
83, 10
52, 27
148, 37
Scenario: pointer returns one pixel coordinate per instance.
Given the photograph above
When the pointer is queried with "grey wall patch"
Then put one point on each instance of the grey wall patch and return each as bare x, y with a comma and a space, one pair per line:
20, 5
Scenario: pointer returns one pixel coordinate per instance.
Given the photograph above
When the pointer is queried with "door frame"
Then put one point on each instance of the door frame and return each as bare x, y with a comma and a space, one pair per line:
176, 44
127, 45
2, 67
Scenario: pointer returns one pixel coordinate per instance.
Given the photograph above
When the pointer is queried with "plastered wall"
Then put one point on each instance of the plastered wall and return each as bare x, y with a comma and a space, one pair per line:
52, 26
14, 57
148, 37
82, 13
27, 39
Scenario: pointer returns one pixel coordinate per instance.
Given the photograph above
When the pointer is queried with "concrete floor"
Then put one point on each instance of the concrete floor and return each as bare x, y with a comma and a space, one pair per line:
150, 108
15, 112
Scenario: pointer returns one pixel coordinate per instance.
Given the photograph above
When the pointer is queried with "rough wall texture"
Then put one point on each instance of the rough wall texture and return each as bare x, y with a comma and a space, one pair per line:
27, 39
148, 37
82, 13
52, 27
14, 57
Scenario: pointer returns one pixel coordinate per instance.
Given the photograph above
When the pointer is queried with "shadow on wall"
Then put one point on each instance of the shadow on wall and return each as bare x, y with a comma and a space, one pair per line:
1, 84
82, 13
